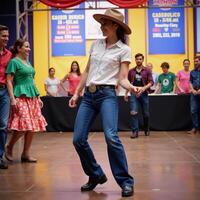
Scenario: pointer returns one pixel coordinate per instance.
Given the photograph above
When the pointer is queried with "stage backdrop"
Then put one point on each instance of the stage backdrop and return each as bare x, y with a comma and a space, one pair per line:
92, 27
137, 20
166, 28
68, 32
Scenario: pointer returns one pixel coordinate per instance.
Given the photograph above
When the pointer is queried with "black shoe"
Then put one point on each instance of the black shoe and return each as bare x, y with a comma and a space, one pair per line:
3, 164
134, 135
147, 133
93, 182
127, 191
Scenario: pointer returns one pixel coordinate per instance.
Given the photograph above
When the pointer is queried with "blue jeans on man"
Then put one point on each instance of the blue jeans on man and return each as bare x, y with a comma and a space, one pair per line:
4, 114
195, 111
105, 102
136, 102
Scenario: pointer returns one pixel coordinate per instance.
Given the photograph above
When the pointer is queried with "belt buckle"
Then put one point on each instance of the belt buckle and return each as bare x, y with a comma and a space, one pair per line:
92, 88
2, 86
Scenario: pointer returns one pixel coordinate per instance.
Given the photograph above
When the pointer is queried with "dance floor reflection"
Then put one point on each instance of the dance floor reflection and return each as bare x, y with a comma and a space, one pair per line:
166, 166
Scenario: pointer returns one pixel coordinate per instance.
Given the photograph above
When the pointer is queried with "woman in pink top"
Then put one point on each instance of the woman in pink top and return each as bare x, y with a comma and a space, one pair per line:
183, 78
73, 78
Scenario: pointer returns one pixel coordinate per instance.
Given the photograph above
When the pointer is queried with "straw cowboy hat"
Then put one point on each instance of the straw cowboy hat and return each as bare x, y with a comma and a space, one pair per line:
115, 16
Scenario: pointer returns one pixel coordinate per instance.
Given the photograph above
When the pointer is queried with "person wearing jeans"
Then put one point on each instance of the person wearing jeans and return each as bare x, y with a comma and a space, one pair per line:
135, 102
107, 67
195, 96
5, 56
140, 77
103, 101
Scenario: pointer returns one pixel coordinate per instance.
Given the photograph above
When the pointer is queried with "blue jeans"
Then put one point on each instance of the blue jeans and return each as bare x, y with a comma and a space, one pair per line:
195, 110
134, 102
4, 114
105, 102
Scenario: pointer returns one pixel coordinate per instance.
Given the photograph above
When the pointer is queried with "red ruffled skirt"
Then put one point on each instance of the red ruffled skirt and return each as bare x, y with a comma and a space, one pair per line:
27, 117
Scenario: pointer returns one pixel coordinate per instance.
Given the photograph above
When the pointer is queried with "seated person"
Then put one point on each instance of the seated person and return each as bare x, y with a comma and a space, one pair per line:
166, 80
51, 84
183, 79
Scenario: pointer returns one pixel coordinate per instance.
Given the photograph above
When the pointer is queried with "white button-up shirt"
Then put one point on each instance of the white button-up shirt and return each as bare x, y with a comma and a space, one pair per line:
105, 62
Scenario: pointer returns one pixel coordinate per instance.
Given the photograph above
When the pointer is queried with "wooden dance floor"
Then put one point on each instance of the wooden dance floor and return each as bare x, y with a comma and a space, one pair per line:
166, 166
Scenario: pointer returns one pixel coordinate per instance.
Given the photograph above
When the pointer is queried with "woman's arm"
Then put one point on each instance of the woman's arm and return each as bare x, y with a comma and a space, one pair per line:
46, 89
9, 81
62, 83
40, 102
65, 78
123, 80
126, 96
80, 87
178, 84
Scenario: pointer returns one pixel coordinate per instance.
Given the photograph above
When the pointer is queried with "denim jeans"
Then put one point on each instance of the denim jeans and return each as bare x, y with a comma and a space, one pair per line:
134, 102
195, 110
4, 114
105, 102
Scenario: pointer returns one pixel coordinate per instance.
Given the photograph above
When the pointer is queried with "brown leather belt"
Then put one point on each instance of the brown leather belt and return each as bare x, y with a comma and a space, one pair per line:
93, 88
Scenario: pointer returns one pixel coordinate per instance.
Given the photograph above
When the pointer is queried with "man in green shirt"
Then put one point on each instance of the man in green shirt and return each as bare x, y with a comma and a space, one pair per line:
166, 80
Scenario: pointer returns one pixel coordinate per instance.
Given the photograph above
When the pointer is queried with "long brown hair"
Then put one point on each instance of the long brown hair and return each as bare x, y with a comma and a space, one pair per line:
121, 35
78, 69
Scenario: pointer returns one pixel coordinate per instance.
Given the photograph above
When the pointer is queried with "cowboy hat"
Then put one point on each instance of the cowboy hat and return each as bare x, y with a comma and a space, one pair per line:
115, 16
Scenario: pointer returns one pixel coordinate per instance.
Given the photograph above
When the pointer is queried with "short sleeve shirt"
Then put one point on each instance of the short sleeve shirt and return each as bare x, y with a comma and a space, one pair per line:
105, 62
4, 59
184, 81
52, 84
167, 82
23, 78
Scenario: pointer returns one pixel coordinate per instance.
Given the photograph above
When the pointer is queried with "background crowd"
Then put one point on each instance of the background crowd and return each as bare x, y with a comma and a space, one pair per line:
165, 83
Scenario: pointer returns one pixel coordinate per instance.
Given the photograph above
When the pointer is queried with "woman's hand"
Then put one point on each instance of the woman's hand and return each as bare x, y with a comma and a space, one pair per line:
126, 97
40, 102
13, 103
73, 101
135, 89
